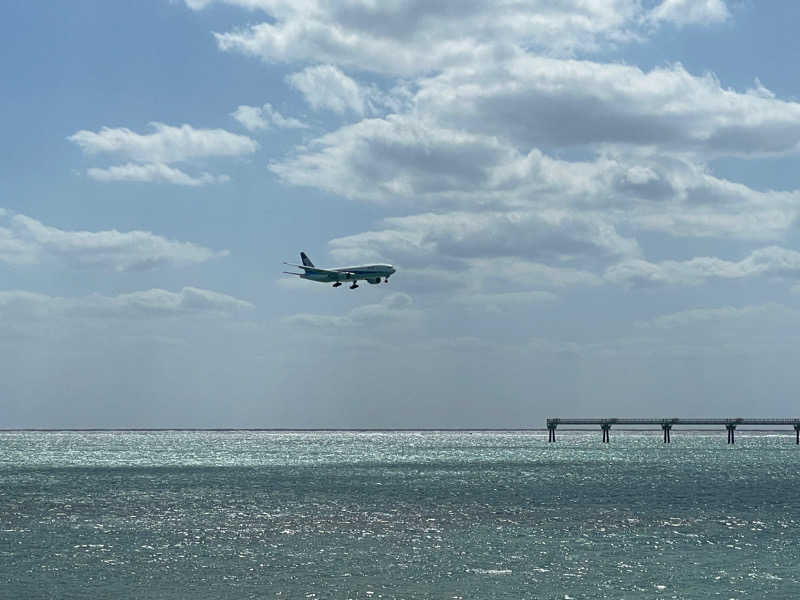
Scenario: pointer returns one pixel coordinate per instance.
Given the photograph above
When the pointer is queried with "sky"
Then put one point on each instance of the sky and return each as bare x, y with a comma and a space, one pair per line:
592, 206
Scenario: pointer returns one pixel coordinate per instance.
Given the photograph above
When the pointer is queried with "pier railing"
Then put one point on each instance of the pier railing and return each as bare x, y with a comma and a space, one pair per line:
667, 424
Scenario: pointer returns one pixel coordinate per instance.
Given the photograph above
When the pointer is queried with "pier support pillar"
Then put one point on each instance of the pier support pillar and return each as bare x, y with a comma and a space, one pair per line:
606, 427
551, 429
731, 433
797, 433
667, 427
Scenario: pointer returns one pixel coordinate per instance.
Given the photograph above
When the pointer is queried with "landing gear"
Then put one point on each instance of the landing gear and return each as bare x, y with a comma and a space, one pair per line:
354, 286
337, 284
386, 280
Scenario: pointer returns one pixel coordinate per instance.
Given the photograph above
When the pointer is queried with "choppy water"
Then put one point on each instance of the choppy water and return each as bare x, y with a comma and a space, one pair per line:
220, 515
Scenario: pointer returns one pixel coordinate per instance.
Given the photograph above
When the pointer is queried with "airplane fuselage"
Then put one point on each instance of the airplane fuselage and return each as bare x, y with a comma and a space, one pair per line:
370, 273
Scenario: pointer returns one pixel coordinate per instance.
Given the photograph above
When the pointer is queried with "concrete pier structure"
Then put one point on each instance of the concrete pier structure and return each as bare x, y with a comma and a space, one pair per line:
667, 424
731, 427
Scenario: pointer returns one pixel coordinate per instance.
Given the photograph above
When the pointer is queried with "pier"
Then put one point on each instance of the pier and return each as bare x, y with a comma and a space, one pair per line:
667, 424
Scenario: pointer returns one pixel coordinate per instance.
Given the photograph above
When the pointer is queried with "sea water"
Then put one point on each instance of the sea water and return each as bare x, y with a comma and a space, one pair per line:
315, 515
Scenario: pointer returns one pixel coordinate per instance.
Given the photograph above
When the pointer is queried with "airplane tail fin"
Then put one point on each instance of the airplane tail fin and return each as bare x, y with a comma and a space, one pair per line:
306, 261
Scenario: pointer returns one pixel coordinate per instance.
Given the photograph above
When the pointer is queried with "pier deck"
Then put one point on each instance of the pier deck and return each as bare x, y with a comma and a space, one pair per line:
667, 424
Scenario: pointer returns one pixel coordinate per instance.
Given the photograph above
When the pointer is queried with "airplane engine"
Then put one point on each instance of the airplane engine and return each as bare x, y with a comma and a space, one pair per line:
376, 280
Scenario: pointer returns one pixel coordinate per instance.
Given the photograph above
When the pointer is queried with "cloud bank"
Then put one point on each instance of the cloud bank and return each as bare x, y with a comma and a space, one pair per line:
155, 151
18, 305
24, 240
254, 118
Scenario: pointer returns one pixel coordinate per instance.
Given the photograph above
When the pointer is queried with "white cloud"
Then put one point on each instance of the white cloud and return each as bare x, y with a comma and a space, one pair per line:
153, 172
476, 252
254, 118
546, 236
412, 38
518, 274
497, 302
251, 117
771, 261
326, 87
18, 305
399, 156
14, 249
468, 255
407, 38
451, 283
535, 101
698, 338
486, 251
684, 199
394, 311
760, 91
722, 314
766, 332
409, 162
27, 241
167, 144
556, 236
689, 12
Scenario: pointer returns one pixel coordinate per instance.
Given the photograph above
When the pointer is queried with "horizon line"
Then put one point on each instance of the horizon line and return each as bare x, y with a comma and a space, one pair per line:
328, 429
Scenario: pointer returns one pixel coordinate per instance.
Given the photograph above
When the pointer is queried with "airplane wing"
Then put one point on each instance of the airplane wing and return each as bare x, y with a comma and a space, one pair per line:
317, 270
290, 273
303, 267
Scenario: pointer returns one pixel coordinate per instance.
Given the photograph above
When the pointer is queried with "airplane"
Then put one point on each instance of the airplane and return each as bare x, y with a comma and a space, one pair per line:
370, 273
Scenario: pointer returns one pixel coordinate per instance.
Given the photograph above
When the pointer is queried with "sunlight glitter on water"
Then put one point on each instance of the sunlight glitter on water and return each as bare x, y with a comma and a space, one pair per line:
400, 515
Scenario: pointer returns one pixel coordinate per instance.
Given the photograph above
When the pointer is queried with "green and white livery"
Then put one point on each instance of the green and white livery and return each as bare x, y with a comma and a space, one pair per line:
371, 273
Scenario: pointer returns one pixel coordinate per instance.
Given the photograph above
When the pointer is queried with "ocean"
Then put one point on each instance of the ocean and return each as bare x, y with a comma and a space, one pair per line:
446, 515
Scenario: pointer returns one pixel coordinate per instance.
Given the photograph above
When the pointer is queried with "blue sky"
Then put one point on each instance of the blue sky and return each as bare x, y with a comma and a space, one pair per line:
592, 206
